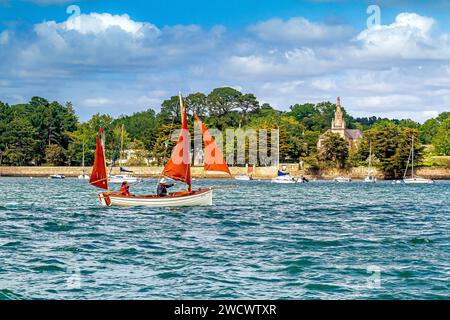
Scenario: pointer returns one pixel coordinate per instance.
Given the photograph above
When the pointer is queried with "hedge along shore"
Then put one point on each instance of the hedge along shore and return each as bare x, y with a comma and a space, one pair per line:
437, 173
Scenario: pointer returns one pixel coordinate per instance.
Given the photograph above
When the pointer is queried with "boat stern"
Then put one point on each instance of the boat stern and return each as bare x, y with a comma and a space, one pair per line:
104, 198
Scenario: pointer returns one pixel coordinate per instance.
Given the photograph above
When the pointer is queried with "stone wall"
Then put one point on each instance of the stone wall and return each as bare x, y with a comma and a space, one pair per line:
198, 172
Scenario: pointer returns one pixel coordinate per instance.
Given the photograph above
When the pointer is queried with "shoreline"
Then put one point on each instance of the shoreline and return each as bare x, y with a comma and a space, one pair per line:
357, 173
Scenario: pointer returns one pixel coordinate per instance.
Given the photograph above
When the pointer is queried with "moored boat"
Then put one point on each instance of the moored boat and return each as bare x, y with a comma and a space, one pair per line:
57, 176
414, 179
418, 180
83, 175
120, 178
343, 179
370, 177
246, 177
125, 174
284, 178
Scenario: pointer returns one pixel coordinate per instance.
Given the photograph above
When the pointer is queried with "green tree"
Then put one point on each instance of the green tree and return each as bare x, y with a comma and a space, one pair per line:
21, 142
441, 141
334, 150
55, 155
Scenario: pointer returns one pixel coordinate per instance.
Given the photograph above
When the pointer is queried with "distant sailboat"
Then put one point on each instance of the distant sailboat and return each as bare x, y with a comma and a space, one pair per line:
124, 176
178, 168
414, 179
370, 177
83, 175
246, 177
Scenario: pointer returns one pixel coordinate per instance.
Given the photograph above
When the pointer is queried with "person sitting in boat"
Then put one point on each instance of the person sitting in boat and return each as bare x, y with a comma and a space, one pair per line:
125, 189
161, 191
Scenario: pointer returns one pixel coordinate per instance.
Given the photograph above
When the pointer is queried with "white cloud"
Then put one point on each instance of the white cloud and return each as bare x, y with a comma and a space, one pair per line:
96, 102
112, 63
298, 31
409, 37
96, 23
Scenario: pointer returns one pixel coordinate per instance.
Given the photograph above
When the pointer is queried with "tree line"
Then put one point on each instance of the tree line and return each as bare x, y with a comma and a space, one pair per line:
49, 133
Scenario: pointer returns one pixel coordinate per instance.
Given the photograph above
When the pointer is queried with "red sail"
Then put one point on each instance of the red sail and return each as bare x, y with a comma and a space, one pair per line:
179, 165
214, 160
99, 176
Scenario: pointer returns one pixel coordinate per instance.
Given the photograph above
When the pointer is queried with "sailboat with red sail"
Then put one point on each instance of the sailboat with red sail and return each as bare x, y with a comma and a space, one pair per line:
177, 168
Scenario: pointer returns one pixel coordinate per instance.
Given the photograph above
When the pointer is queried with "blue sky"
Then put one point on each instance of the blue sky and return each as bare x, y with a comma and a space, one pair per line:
124, 56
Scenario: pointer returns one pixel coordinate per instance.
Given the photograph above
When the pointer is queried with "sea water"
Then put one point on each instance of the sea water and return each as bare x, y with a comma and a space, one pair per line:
320, 240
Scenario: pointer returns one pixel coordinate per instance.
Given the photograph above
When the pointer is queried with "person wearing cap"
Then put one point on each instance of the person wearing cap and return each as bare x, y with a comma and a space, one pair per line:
161, 190
125, 189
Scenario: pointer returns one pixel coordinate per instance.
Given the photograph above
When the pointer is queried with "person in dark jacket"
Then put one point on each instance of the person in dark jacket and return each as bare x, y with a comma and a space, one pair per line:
161, 190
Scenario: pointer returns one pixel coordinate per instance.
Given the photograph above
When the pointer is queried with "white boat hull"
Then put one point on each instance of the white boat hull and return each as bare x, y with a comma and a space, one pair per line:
122, 178
57, 176
418, 181
83, 177
343, 180
196, 198
285, 180
242, 178
370, 180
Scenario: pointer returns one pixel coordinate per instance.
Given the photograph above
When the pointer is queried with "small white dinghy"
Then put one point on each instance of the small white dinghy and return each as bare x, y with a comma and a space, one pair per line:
243, 177
343, 180
57, 176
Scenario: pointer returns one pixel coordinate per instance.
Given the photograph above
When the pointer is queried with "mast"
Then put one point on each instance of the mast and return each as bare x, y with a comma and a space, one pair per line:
370, 159
412, 158
121, 147
82, 161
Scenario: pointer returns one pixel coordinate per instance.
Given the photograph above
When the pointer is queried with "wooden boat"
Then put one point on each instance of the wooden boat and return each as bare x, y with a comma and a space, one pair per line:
414, 179
178, 168
201, 197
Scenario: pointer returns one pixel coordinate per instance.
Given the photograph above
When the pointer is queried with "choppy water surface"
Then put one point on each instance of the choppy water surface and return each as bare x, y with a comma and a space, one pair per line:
314, 241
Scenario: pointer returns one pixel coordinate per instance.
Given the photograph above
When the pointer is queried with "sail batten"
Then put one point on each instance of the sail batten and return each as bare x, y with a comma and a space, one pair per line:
99, 176
214, 160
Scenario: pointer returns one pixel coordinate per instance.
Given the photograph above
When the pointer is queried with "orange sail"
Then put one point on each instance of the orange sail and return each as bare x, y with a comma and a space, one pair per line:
214, 160
179, 165
99, 176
